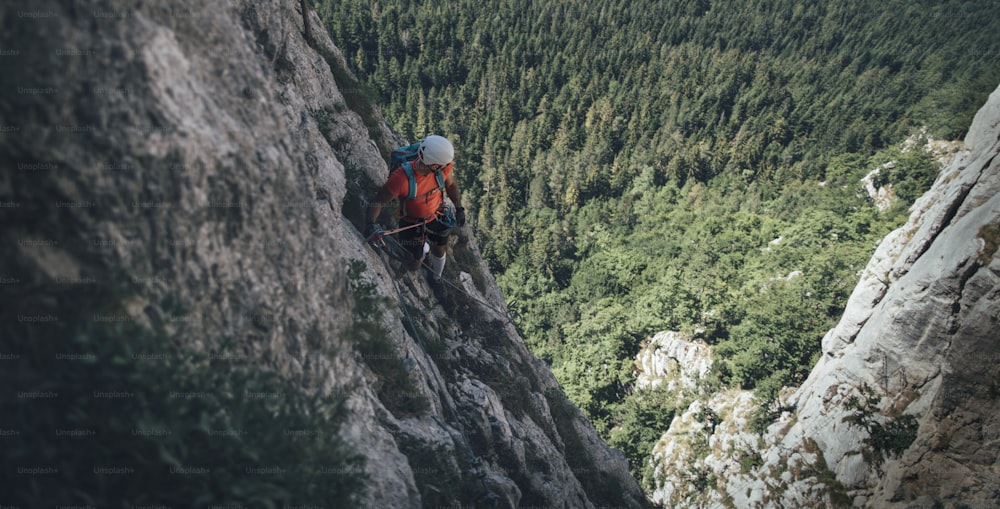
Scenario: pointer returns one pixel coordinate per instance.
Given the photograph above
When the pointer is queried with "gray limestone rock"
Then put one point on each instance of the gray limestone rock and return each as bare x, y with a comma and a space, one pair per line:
671, 358
900, 411
215, 158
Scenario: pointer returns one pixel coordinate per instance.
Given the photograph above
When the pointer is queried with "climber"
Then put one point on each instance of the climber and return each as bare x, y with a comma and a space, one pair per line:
420, 176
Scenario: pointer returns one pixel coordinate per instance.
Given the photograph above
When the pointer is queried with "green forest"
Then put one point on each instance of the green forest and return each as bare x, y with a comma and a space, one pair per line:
688, 165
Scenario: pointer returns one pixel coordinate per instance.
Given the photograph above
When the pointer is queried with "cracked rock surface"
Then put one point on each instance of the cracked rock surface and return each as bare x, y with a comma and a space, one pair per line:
929, 346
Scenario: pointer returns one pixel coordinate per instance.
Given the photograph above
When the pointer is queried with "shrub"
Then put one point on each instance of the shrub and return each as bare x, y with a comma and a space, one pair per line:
642, 419
112, 415
889, 438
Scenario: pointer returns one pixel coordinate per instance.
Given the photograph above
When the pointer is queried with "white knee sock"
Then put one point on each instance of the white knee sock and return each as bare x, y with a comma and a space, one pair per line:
437, 265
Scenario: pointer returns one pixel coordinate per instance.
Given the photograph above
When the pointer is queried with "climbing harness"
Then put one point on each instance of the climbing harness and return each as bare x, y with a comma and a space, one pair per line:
445, 215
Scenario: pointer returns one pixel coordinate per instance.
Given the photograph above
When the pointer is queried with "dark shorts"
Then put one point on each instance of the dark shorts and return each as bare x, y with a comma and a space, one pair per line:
434, 233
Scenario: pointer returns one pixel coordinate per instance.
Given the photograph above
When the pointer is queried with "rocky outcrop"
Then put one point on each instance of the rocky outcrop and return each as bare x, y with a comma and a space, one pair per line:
707, 442
881, 196
942, 151
901, 409
674, 361
195, 166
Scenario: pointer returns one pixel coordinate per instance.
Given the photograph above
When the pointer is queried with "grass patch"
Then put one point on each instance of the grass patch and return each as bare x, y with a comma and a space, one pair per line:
360, 190
433, 343
360, 98
325, 119
750, 461
393, 383
112, 414
835, 489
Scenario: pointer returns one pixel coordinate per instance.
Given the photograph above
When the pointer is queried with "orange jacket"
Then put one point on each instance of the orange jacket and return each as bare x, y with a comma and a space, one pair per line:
428, 198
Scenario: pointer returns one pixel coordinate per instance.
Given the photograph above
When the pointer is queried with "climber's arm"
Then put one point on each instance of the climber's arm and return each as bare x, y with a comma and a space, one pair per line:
451, 187
382, 199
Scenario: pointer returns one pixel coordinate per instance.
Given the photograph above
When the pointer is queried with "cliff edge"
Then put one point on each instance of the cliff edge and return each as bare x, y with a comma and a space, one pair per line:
900, 411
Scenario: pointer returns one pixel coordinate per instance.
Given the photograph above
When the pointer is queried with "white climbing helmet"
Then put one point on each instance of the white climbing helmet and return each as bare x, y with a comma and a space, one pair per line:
435, 150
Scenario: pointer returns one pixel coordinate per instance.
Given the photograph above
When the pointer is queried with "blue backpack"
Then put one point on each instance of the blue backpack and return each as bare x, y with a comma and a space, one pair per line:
402, 157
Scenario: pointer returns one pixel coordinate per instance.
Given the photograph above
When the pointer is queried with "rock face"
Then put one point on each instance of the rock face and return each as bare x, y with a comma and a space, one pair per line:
710, 440
196, 167
901, 410
674, 360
